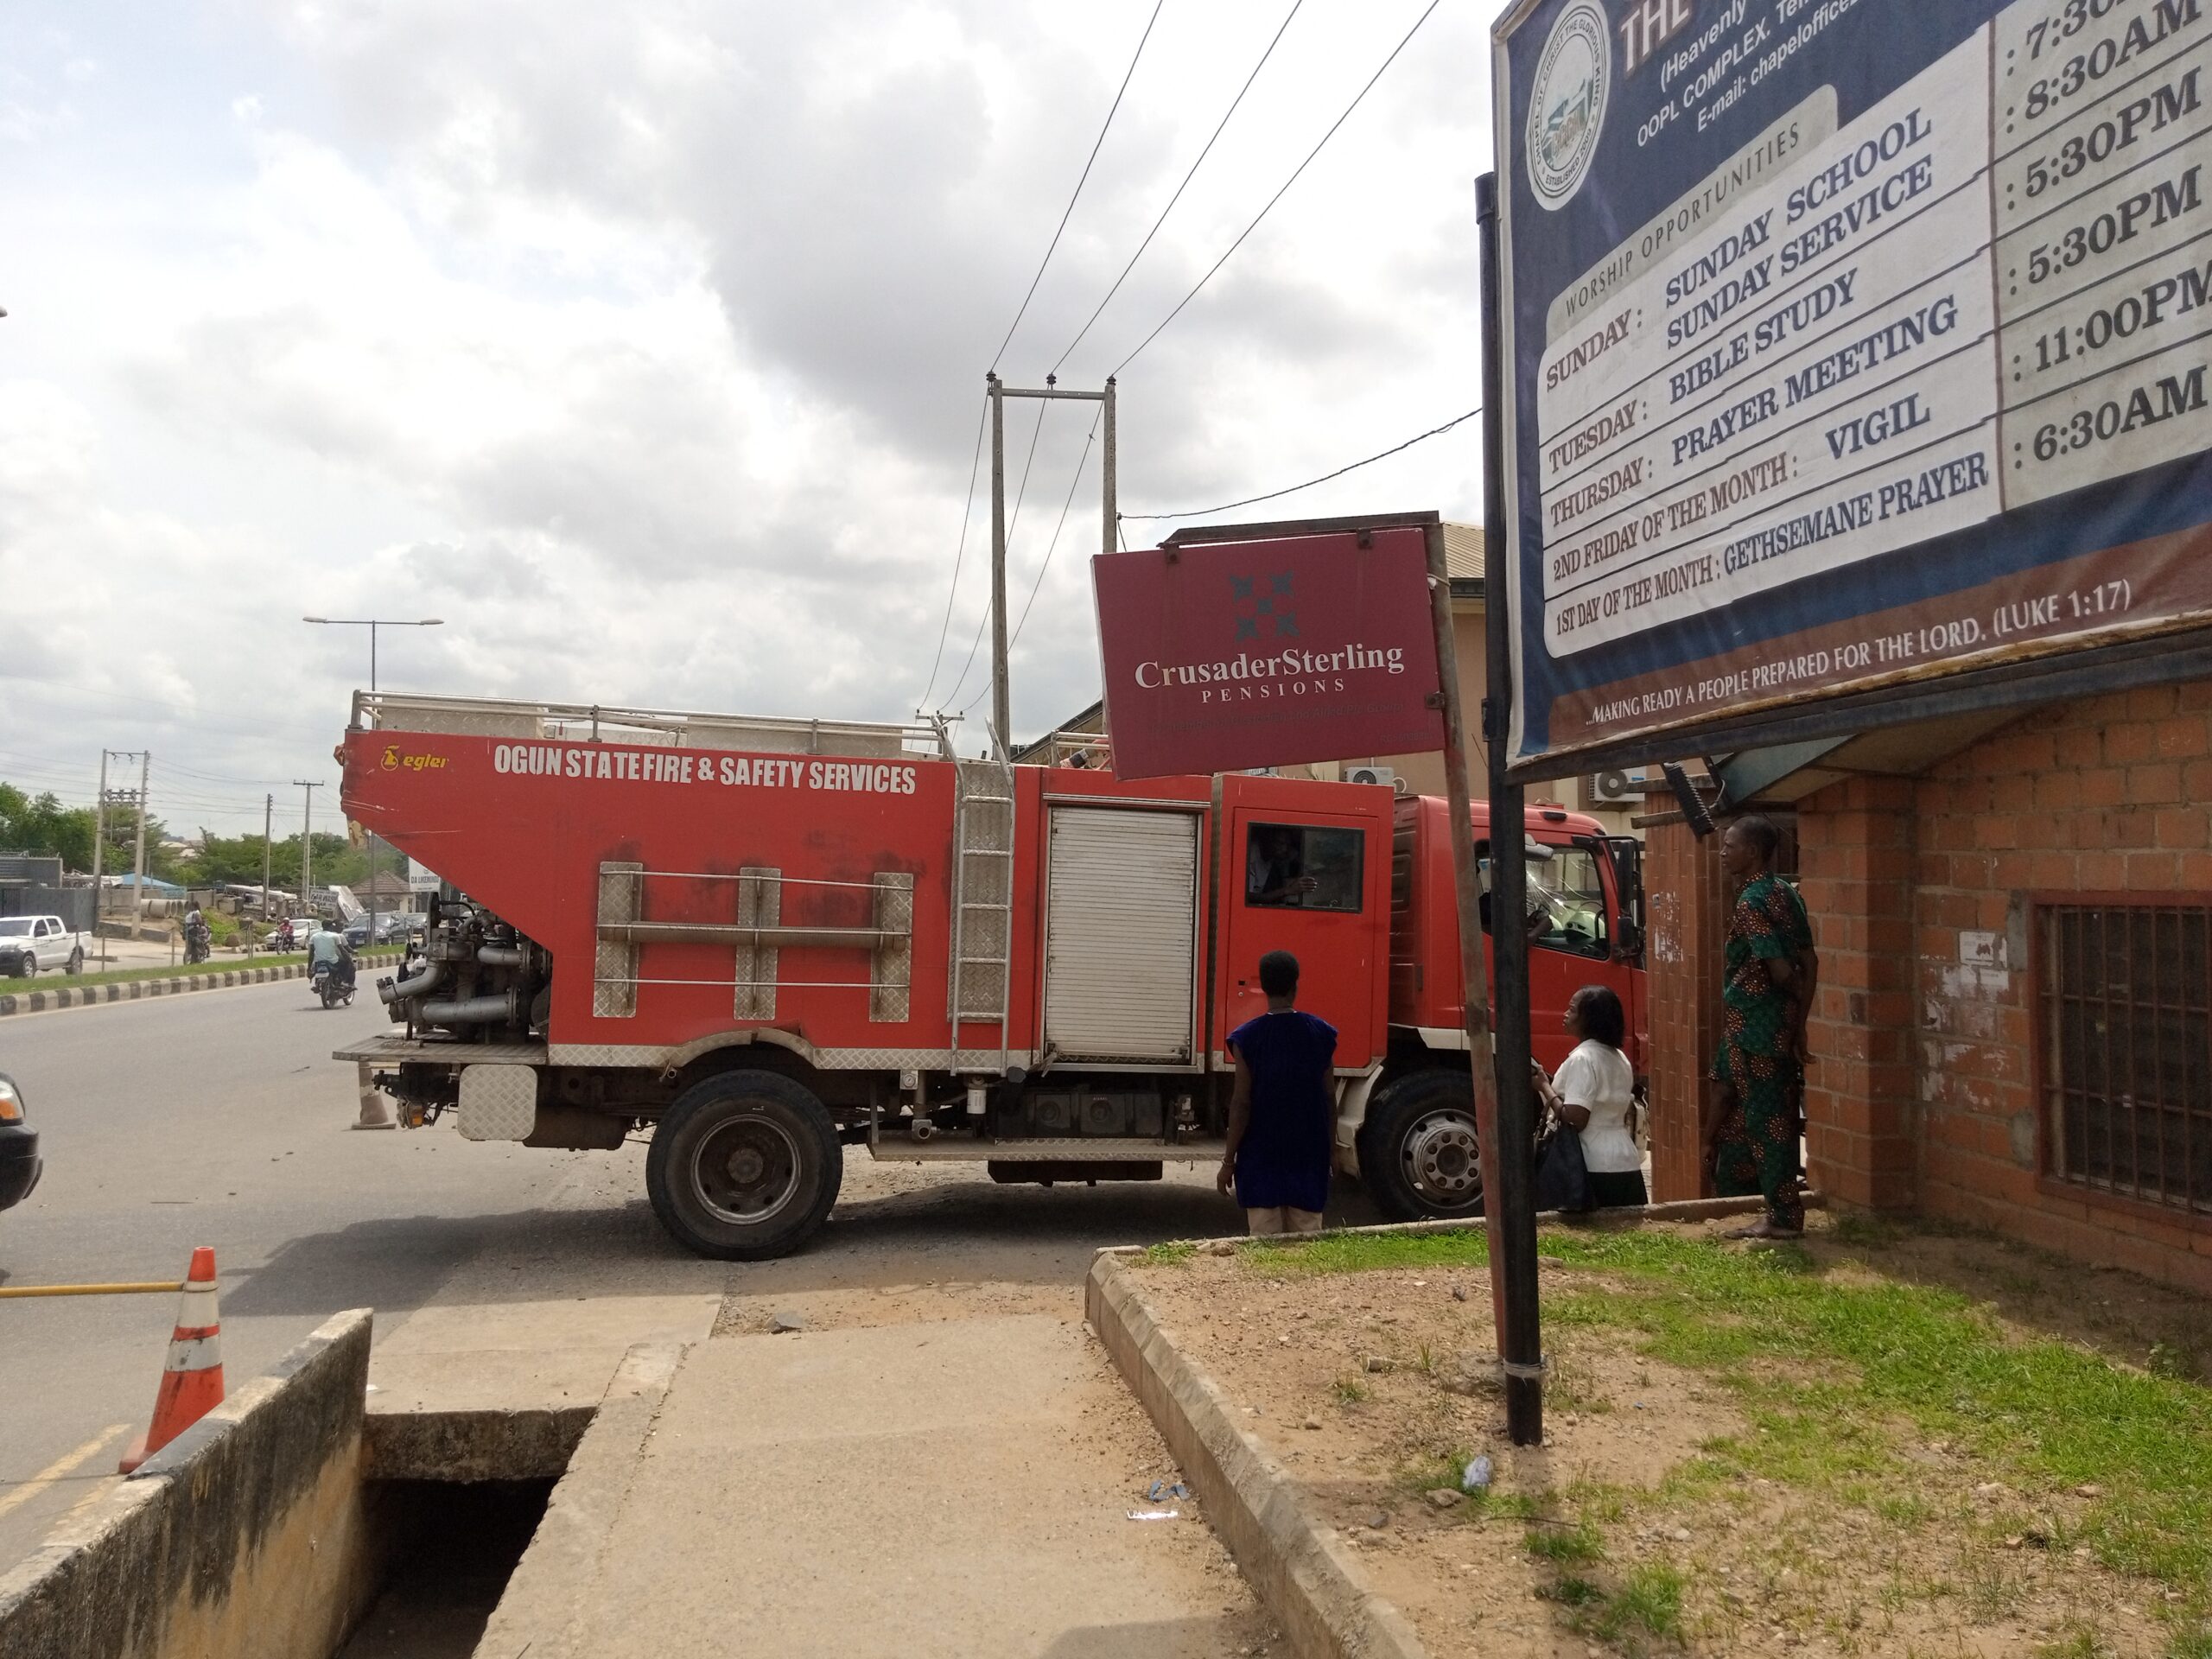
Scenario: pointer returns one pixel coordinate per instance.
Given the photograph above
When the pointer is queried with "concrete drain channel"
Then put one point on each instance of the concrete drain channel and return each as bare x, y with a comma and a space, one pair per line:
292, 1523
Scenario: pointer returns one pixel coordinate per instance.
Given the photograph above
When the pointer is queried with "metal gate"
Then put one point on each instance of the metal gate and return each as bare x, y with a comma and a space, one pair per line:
1120, 934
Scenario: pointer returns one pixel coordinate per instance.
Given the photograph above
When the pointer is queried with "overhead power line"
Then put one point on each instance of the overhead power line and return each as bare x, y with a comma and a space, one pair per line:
1013, 518
1074, 484
1279, 194
1353, 467
959, 553
1219, 128
1079, 183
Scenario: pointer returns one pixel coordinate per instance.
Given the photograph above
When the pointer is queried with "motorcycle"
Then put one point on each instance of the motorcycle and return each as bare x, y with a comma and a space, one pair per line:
199, 942
331, 986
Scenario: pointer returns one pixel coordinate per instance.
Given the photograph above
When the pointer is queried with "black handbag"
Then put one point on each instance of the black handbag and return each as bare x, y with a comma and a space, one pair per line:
1562, 1179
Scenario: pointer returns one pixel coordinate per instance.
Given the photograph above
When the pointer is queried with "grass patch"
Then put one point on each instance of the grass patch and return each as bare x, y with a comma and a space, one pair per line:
1350, 1391
1828, 1374
1650, 1603
1365, 1253
1574, 1546
1169, 1255
1572, 1592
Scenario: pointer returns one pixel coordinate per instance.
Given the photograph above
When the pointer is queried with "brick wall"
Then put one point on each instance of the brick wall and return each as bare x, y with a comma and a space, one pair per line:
1855, 851
1924, 1089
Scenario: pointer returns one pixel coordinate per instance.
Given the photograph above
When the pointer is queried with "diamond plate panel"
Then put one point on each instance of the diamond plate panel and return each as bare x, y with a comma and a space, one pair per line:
621, 892
759, 904
498, 1102
891, 964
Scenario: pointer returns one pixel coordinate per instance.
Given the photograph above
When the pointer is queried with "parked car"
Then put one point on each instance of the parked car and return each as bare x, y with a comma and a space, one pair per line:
19, 1162
28, 943
391, 925
304, 928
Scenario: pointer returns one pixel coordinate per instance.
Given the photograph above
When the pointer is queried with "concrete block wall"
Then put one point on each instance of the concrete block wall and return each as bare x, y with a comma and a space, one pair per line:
247, 1536
1924, 1095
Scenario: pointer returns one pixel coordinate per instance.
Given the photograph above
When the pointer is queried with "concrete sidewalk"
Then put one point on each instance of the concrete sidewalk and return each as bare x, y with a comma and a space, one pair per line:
906, 1490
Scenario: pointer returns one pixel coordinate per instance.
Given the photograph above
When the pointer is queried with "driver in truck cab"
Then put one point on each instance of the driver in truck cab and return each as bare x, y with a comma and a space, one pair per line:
1276, 874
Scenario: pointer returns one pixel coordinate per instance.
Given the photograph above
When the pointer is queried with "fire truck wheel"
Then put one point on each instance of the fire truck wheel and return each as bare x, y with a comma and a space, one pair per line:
1417, 1151
744, 1166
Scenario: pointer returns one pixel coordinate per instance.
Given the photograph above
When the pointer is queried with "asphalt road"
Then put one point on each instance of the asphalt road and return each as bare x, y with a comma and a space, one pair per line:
216, 1119
221, 1119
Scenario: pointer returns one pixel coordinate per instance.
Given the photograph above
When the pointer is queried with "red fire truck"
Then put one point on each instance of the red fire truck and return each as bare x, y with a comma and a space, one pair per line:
769, 939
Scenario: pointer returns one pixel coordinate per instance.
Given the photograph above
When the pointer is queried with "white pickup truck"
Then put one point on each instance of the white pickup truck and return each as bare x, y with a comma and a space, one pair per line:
29, 943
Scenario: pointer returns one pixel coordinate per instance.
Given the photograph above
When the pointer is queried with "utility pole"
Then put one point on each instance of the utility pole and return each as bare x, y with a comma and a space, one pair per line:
306, 840
268, 823
1001, 697
1002, 687
138, 858
99, 845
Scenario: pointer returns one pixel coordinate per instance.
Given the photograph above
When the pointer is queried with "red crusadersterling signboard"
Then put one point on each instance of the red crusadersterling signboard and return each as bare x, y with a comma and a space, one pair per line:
1222, 655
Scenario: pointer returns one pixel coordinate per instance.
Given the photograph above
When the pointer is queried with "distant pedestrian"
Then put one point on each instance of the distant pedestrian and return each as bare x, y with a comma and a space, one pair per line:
1594, 1094
1757, 1117
1280, 1130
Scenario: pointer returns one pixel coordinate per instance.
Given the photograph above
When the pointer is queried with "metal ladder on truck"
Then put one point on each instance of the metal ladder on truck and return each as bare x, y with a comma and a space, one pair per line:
982, 920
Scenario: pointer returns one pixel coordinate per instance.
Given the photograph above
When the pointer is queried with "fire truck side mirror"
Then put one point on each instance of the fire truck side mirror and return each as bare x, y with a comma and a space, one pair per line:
1628, 938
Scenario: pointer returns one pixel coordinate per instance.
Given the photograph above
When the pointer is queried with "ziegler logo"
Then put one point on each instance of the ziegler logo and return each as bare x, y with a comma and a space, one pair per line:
394, 761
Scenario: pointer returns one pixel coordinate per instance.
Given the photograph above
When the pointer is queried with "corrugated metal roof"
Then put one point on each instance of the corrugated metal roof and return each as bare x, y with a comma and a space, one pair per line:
1463, 551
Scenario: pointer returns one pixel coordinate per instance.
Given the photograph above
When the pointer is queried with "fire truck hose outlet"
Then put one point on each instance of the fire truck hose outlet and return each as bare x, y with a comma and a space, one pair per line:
500, 1008
399, 989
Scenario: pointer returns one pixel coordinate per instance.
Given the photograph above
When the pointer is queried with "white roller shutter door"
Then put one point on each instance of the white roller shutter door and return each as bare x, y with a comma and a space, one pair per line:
1120, 934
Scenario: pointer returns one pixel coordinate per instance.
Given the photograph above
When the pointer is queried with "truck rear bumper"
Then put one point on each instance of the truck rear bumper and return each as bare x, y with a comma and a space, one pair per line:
388, 1050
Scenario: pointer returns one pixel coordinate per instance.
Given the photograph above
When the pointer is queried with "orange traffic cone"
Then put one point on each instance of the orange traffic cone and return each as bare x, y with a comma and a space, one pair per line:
192, 1379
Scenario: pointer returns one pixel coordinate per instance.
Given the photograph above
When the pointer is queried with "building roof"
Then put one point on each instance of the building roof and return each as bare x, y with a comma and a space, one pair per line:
386, 885
1463, 553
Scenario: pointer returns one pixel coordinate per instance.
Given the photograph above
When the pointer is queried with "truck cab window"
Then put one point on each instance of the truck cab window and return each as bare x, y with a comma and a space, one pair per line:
1302, 867
1566, 899
1572, 891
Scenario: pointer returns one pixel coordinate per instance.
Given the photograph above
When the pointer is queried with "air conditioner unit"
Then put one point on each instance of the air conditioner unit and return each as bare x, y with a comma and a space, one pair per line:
1386, 776
1614, 789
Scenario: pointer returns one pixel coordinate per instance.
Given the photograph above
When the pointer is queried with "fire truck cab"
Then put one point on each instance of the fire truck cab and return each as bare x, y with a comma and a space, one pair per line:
769, 939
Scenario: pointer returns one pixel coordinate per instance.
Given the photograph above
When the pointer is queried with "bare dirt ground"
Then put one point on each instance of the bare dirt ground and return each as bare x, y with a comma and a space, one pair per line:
1741, 1502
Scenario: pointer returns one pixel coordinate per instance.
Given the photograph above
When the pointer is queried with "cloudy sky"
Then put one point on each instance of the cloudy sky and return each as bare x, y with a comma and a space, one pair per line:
644, 344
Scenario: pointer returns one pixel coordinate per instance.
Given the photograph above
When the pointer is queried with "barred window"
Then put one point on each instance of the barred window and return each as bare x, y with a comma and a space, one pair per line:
2126, 1033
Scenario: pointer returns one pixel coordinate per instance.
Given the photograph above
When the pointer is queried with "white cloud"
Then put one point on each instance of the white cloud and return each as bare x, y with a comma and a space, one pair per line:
644, 344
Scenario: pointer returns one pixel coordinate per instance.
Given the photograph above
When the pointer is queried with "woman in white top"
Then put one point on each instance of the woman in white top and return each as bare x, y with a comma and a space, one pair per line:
1594, 1092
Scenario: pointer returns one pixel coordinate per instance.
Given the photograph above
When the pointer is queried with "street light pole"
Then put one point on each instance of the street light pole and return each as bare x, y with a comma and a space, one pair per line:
372, 623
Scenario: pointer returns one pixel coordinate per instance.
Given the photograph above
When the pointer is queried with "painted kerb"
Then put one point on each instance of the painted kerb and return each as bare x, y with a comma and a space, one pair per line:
135, 990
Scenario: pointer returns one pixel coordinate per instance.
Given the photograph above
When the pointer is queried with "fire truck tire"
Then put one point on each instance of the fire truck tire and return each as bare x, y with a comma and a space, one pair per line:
1417, 1148
744, 1166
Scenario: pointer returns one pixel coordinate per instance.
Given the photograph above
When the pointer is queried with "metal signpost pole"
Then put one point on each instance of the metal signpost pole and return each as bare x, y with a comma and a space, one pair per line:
268, 823
1510, 1198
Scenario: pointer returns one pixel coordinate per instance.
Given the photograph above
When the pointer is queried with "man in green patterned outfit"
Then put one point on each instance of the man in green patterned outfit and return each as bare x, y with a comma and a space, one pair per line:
1756, 1114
